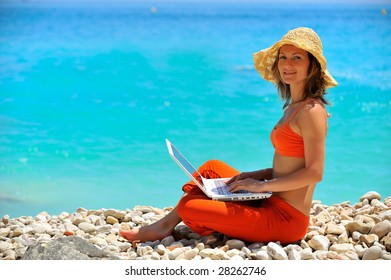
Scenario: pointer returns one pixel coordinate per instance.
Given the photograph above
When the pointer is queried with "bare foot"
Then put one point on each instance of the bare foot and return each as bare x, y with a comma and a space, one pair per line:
156, 231
147, 233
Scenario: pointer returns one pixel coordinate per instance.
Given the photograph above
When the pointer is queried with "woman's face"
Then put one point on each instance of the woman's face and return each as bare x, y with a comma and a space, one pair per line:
293, 65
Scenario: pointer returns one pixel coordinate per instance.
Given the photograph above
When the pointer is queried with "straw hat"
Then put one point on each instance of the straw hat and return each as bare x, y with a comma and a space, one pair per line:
303, 38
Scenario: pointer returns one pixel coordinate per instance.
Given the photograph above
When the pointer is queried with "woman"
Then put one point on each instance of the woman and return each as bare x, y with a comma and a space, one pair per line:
298, 68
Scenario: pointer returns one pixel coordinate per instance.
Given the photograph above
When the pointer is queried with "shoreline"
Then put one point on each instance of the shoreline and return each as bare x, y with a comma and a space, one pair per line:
342, 231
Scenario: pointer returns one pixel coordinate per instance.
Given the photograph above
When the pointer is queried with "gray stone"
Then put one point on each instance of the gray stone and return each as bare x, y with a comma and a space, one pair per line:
381, 229
235, 244
66, 248
373, 253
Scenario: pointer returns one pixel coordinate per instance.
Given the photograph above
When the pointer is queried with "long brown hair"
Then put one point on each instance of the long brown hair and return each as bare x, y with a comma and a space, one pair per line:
315, 86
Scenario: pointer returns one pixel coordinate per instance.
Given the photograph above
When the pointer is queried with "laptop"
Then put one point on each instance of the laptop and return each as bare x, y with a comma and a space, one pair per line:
215, 189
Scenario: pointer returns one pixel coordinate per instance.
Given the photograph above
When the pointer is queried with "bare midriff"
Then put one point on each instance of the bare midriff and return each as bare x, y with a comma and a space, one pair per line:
300, 198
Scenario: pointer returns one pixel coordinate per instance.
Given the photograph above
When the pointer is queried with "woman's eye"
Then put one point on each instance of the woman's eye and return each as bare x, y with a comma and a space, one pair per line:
282, 57
296, 58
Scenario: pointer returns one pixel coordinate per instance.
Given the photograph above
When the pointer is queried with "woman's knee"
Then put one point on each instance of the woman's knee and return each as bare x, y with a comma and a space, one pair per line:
182, 208
215, 168
213, 163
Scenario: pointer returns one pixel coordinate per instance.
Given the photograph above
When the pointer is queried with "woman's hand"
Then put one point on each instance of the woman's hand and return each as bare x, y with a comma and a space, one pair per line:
247, 184
239, 177
260, 175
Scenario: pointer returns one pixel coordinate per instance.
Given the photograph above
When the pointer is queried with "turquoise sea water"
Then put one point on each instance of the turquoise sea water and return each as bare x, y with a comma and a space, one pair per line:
89, 92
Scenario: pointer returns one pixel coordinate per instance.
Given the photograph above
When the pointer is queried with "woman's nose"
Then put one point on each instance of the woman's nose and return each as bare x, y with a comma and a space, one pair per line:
288, 63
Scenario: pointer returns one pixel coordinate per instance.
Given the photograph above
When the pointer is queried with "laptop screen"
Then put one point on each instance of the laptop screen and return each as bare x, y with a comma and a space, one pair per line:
182, 161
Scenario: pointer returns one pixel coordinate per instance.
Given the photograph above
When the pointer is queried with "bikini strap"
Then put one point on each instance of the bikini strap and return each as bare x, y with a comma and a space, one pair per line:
301, 106
295, 112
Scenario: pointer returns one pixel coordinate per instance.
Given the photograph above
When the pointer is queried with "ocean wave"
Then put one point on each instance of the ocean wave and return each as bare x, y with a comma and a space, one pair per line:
9, 198
244, 68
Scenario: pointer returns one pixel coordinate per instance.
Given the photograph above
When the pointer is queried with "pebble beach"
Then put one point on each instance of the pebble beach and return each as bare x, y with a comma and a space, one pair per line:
343, 231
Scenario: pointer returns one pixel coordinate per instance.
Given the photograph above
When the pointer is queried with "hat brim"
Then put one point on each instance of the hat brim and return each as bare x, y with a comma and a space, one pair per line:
264, 60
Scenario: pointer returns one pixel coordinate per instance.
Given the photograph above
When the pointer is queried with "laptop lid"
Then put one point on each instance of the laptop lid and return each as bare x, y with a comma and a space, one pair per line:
184, 163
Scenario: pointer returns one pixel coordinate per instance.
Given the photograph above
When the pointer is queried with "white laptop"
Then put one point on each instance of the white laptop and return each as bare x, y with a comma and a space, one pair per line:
215, 189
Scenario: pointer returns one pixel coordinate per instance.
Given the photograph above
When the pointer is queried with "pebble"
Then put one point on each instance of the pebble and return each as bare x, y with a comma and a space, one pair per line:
373, 253
338, 232
319, 242
276, 251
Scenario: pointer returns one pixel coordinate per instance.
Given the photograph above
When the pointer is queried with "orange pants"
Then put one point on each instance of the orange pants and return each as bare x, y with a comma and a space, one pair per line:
266, 220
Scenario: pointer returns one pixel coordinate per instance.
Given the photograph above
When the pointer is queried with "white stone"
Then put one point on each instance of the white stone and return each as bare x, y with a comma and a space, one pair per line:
63, 216
386, 256
143, 251
306, 254
343, 238
356, 235
237, 258
111, 249
200, 246
98, 241
246, 251
104, 229
276, 251
197, 258
175, 253
148, 216
71, 227
9, 255
138, 220
214, 254
319, 242
262, 255
335, 229
160, 249
41, 227
155, 256
87, 227
294, 255
4, 232
360, 250
342, 248
233, 252
321, 255
42, 217
190, 254
4, 246
371, 195
93, 219
386, 215
5, 219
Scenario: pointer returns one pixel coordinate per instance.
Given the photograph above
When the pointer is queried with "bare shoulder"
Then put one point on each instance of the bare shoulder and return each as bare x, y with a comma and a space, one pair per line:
312, 113
314, 108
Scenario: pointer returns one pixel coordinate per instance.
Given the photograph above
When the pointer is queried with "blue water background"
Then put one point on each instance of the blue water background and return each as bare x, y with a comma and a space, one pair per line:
89, 92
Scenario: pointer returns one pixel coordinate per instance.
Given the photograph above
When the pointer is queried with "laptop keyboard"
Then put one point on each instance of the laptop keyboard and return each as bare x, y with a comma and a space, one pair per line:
222, 188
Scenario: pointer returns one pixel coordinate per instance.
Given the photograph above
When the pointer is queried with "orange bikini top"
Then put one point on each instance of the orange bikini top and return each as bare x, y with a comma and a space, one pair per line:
285, 141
